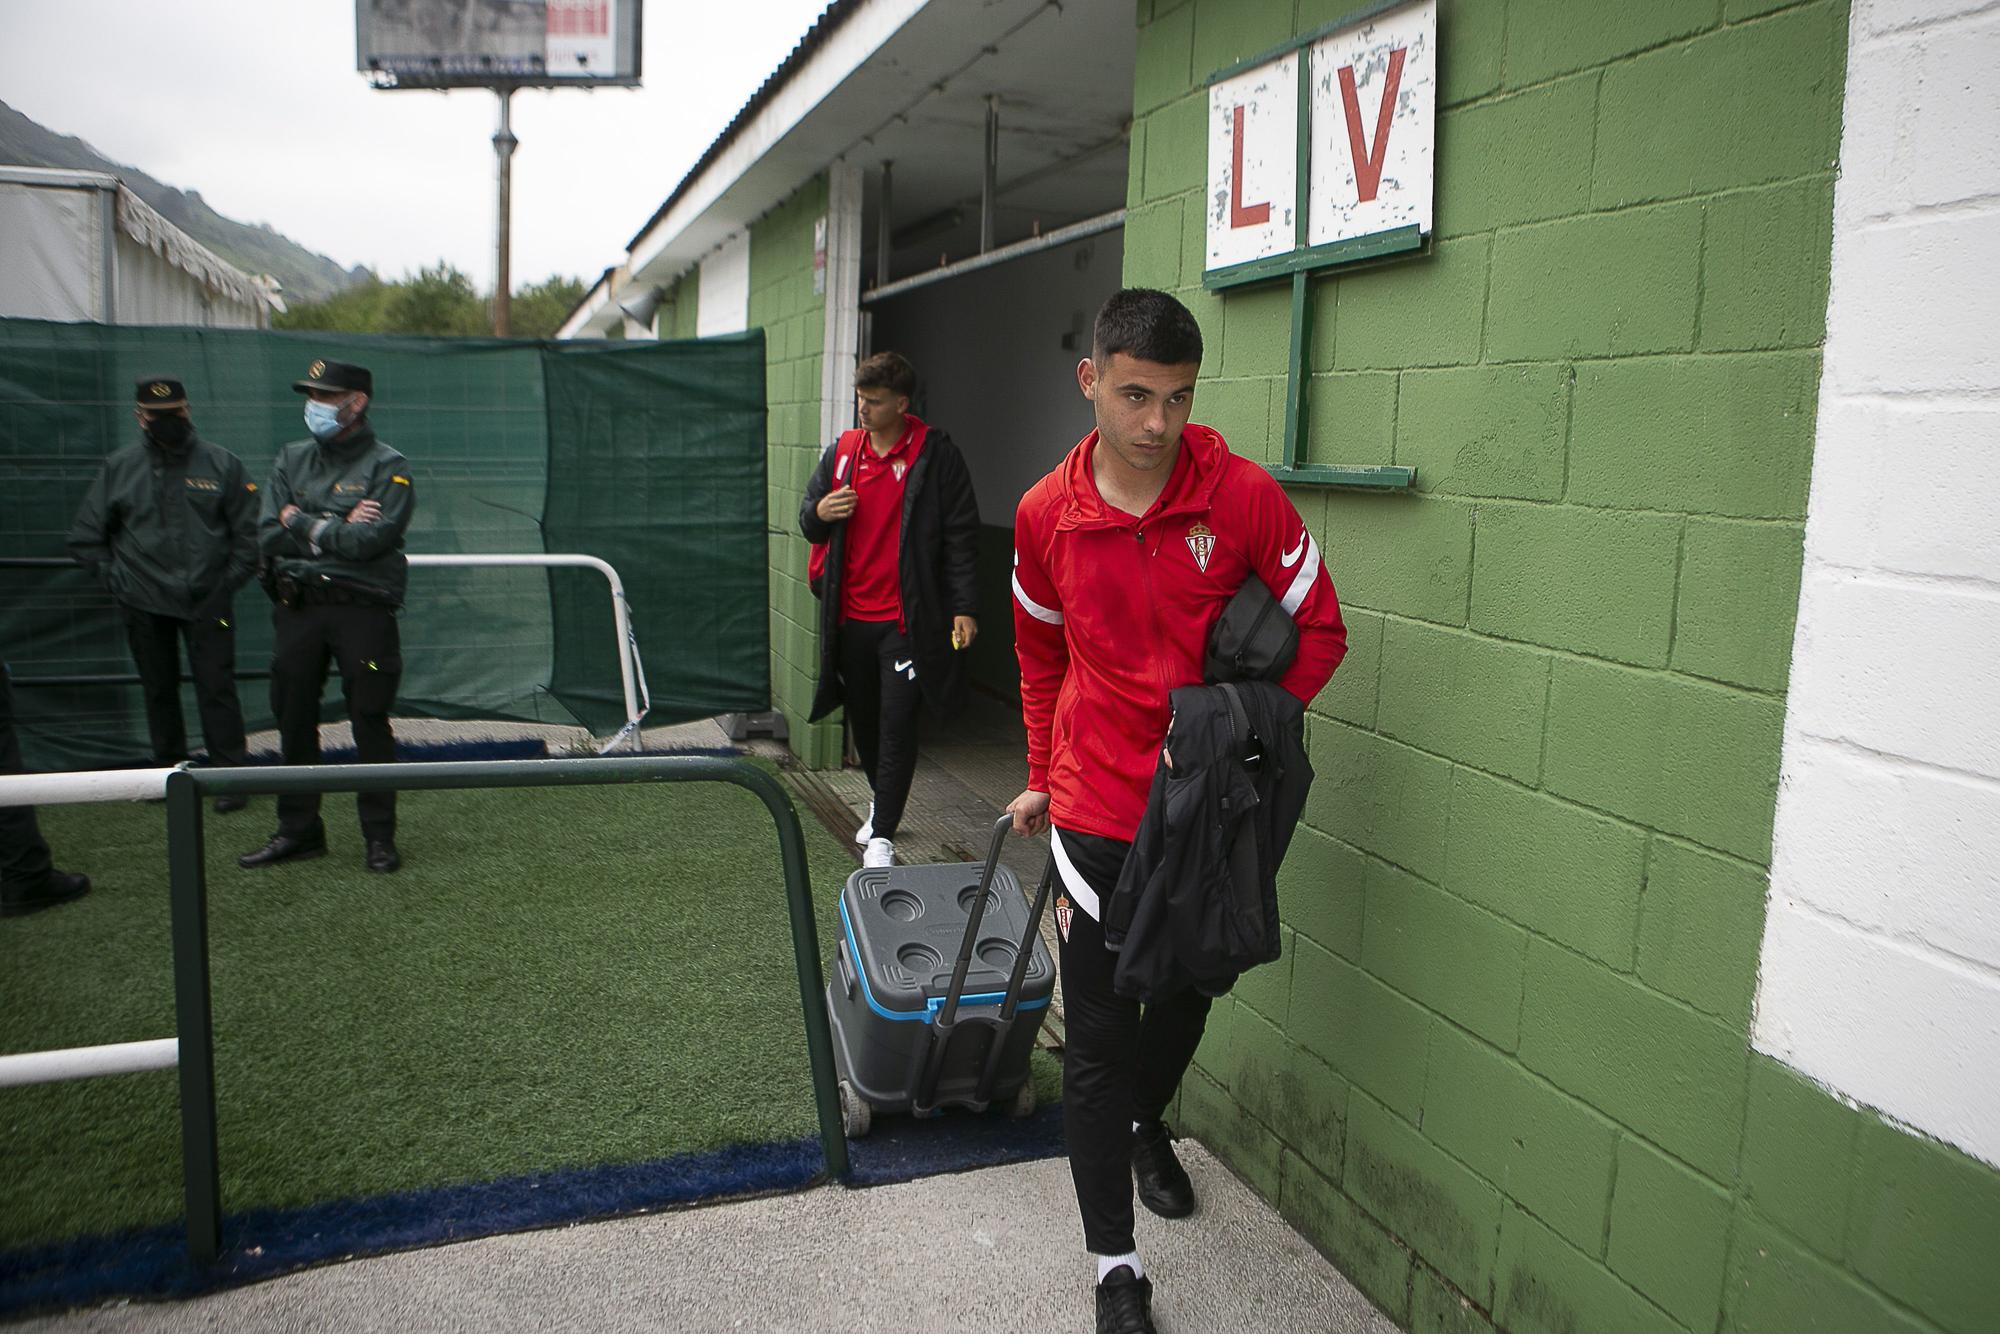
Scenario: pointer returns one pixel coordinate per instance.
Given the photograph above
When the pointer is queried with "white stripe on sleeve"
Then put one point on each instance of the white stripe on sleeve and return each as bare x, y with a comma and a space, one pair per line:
1035, 609
1302, 582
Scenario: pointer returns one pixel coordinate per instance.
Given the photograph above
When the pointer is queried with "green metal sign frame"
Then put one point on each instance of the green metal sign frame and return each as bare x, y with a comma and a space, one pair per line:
187, 867
1299, 263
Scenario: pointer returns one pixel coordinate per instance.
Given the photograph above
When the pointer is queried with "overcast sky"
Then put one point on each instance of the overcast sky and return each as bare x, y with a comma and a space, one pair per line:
257, 105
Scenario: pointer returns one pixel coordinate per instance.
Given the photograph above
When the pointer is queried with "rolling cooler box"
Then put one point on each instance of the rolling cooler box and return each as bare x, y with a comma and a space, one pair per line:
939, 985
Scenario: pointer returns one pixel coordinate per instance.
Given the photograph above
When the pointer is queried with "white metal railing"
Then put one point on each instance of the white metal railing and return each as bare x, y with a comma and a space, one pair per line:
638, 699
111, 1058
632, 671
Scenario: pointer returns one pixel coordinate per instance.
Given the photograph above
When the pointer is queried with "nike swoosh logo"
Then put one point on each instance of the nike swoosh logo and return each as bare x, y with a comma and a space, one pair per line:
1292, 556
905, 666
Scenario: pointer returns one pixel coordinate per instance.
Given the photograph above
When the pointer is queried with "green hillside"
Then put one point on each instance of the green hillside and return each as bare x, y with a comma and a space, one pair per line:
253, 247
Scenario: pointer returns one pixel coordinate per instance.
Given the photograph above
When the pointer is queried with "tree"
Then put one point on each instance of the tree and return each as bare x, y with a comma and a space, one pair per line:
538, 311
439, 301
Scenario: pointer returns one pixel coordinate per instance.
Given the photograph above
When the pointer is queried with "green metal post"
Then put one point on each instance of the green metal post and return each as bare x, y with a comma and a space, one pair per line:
201, 1180
187, 788
805, 952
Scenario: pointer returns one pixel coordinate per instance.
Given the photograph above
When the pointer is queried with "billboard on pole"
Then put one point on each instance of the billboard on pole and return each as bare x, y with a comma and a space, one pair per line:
491, 43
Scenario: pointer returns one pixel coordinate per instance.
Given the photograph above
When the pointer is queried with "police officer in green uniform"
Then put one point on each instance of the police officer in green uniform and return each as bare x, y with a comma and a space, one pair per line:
331, 532
170, 527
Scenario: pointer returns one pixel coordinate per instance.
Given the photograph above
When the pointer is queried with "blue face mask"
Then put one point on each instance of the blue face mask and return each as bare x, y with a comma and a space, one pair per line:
322, 419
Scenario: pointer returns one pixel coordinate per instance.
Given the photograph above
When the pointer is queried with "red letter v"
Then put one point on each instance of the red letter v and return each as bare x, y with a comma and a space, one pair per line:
1367, 165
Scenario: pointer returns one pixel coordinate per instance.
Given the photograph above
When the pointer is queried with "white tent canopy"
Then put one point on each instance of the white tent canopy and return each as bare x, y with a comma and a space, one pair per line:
78, 245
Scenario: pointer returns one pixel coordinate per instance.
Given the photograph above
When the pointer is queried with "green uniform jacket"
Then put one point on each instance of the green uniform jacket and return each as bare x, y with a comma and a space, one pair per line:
168, 532
326, 481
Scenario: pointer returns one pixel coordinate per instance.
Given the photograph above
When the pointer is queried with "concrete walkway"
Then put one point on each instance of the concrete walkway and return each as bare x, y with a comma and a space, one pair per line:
993, 1250
990, 1250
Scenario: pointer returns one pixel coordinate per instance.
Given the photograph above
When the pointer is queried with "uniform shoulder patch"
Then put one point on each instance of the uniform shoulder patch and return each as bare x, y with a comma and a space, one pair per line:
249, 486
398, 477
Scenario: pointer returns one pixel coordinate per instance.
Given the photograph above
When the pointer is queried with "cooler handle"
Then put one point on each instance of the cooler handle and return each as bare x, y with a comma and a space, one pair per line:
972, 920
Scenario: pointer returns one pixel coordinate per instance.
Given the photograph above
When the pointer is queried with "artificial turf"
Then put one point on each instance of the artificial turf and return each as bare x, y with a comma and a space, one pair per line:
557, 978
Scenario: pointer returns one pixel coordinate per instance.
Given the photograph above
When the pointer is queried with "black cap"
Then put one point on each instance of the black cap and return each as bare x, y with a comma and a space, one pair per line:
336, 375
161, 392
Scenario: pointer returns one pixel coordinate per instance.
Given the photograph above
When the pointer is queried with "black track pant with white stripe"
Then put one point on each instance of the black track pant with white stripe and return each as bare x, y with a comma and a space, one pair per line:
1121, 1061
878, 681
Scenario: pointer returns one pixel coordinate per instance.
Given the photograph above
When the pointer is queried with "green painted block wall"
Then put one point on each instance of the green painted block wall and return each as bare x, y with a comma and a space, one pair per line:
793, 317
1502, 1075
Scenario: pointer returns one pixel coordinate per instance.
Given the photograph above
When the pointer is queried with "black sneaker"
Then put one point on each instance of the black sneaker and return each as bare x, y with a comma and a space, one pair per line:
1125, 1303
1163, 1187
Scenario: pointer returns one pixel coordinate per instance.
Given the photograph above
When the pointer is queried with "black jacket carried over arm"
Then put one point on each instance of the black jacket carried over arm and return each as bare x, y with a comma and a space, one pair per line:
1197, 901
937, 559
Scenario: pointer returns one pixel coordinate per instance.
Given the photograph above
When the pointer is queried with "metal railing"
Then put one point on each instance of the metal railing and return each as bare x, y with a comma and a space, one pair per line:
188, 889
631, 670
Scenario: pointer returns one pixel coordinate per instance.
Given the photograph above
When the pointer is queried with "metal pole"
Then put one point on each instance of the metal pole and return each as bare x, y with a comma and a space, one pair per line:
197, 1045
989, 183
110, 1058
503, 147
201, 1178
882, 224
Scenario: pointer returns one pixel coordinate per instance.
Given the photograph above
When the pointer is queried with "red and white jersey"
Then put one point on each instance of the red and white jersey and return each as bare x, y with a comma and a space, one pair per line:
1112, 611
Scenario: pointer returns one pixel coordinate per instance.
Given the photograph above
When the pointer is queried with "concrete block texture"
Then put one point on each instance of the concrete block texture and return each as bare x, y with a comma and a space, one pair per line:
1443, 1210
1486, 430
1646, 1060
1704, 435
1892, 666
1597, 582
1550, 1287
1669, 1233
1678, 121
1681, 756
1906, 1029
1475, 699
1560, 870
1596, 285
1872, 510
1549, 1152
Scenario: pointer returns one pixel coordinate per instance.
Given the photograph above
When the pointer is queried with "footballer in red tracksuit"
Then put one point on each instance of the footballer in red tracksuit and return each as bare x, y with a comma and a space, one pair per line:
1112, 610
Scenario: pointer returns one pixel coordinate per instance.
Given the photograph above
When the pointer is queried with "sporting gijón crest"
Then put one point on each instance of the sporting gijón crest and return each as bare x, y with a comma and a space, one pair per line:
1201, 541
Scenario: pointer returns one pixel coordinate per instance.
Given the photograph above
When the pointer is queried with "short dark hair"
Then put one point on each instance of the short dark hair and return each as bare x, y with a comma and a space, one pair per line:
1147, 324
887, 370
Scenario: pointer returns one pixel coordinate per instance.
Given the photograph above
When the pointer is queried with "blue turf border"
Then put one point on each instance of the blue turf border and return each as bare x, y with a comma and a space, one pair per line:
151, 1263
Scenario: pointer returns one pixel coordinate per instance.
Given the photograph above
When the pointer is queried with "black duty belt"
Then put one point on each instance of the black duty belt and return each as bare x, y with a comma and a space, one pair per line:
329, 596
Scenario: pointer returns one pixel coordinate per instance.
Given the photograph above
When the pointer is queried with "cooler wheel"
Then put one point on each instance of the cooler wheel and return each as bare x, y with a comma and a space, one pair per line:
854, 1112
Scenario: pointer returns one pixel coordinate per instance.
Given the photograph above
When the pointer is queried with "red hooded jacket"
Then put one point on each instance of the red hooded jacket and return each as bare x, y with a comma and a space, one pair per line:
1112, 611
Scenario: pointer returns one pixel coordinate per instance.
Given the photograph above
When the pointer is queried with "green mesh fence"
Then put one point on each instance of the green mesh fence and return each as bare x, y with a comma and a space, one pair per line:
647, 455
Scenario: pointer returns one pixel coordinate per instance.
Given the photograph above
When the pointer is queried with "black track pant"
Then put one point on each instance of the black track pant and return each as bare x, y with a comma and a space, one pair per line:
878, 678
211, 654
1120, 1064
24, 857
364, 642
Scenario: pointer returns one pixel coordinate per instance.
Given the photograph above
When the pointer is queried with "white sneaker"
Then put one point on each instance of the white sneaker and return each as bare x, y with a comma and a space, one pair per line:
867, 829
880, 852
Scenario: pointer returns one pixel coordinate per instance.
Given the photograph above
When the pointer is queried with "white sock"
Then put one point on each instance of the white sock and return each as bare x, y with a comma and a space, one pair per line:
1107, 1263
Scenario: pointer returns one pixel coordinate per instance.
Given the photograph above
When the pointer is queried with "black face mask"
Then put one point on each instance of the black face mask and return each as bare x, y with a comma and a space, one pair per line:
169, 432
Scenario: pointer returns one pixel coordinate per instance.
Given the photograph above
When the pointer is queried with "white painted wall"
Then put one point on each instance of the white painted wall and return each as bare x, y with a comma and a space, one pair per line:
1881, 960
723, 303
